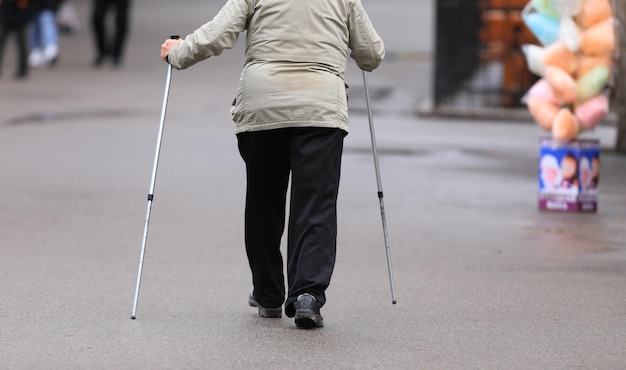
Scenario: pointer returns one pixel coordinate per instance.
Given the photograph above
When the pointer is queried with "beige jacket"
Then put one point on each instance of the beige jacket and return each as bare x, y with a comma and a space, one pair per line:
296, 54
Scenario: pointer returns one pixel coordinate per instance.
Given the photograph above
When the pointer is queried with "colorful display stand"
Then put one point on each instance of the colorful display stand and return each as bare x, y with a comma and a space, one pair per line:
568, 175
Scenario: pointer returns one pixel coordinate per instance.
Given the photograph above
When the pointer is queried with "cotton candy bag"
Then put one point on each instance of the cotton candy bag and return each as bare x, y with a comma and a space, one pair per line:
594, 12
598, 40
559, 55
592, 82
541, 90
543, 112
568, 7
586, 63
592, 112
563, 85
565, 126
545, 28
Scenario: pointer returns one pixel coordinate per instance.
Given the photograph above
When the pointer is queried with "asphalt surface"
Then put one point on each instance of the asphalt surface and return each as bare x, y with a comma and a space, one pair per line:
484, 280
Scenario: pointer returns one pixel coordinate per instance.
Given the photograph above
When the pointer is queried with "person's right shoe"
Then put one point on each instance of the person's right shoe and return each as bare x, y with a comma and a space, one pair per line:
308, 312
117, 61
272, 313
50, 55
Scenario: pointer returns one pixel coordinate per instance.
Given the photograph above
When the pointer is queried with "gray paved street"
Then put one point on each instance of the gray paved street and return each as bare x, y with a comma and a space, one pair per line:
484, 280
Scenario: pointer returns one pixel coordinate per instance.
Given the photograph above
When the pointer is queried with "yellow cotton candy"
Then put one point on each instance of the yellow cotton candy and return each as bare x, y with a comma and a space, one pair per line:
565, 126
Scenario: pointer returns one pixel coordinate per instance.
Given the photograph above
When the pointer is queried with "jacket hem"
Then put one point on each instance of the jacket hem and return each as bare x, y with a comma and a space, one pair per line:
288, 124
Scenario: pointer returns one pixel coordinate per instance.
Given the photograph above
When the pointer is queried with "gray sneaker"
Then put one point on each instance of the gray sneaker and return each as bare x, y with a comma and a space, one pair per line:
272, 313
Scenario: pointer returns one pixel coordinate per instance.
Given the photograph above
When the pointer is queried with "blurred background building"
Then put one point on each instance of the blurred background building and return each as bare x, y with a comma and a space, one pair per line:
479, 61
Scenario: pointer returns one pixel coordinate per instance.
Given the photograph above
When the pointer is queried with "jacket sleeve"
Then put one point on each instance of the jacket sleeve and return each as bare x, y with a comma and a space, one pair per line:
213, 37
367, 48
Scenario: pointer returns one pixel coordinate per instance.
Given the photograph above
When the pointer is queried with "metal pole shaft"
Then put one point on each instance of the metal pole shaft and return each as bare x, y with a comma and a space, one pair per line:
151, 191
380, 189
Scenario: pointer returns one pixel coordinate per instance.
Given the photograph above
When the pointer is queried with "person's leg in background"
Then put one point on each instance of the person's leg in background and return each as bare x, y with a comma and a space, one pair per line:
3, 36
315, 155
21, 41
122, 15
35, 59
49, 36
98, 18
21, 33
265, 154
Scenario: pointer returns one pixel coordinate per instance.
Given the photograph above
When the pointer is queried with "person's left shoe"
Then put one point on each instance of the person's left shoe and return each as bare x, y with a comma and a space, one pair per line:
21, 75
308, 312
271, 313
35, 58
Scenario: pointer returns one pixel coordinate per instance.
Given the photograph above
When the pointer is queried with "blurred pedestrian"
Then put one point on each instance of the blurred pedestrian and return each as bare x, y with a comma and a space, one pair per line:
291, 117
104, 46
44, 34
14, 18
67, 18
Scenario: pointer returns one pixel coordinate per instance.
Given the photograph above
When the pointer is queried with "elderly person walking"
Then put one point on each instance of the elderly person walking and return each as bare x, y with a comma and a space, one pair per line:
291, 116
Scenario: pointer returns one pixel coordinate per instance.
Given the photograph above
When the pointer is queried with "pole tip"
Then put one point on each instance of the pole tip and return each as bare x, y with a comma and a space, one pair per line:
394, 302
133, 317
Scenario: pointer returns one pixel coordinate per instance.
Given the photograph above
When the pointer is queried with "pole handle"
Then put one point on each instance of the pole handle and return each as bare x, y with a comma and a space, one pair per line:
174, 37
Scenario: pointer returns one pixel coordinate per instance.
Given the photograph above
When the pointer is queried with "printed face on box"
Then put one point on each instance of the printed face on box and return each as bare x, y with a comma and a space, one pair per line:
550, 171
595, 169
569, 171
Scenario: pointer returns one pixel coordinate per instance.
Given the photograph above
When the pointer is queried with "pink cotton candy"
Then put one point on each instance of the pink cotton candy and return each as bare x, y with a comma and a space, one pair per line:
592, 112
542, 90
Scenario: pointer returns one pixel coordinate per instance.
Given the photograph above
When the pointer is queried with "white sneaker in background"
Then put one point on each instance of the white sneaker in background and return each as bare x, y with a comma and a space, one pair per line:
50, 55
35, 59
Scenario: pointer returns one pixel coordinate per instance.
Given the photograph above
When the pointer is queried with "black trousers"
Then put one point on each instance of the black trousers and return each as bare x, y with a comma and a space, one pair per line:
312, 156
98, 21
21, 33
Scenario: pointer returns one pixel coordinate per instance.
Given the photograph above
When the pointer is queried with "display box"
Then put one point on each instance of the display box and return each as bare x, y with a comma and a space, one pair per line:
568, 175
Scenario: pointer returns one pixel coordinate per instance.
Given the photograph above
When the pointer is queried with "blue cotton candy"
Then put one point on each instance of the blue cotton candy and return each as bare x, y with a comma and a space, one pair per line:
546, 29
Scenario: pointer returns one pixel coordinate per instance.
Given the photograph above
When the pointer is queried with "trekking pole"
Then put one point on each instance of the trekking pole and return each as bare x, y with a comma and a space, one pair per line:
380, 189
152, 182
